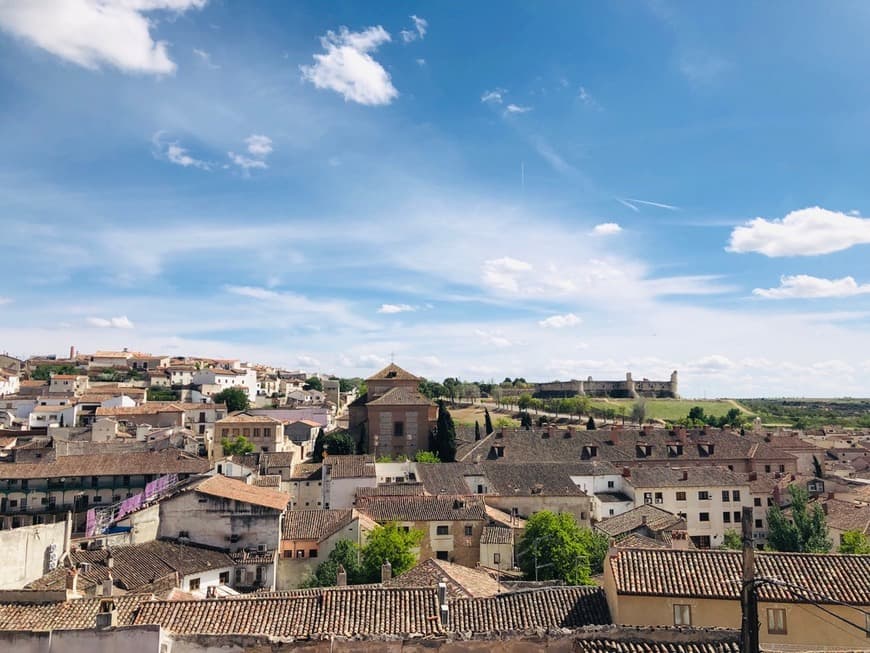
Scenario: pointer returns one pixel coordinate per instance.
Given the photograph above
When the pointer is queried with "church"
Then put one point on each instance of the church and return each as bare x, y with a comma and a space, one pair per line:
393, 418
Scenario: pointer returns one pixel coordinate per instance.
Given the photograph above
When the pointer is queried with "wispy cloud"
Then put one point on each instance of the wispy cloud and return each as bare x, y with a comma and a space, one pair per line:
418, 31
560, 321
517, 108
91, 34
205, 57
120, 322
259, 147
804, 286
632, 203
495, 96
390, 309
349, 69
174, 153
606, 229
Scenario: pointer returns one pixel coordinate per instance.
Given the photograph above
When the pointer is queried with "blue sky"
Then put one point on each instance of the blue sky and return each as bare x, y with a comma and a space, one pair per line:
545, 189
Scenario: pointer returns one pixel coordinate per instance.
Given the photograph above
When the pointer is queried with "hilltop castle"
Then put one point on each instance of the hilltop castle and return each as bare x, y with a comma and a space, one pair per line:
628, 389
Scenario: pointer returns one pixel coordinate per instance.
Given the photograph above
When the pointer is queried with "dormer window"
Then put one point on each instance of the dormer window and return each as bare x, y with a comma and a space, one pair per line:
589, 451
675, 449
643, 450
705, 450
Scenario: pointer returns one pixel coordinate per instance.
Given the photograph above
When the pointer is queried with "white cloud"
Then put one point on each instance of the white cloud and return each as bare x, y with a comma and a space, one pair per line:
348, 68
504, 273
92, 33
206, 58
495, 96
174, 153
299, 306
259, 145
606, 229
493, 339
806, 232
120, 322
5, 300
420, 62
516, 108
809, 287
306, 361
560, 321
245, 162
418, 32
396, 308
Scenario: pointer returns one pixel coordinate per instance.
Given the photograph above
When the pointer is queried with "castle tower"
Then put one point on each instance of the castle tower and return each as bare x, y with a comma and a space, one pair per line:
675, 390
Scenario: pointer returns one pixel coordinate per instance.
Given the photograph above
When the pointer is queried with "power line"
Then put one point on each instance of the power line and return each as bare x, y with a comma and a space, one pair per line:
794, 590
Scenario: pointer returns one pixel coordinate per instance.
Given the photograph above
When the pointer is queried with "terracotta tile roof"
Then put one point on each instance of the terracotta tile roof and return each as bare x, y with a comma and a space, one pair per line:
77, 614
268, 480
246, 418
847, 516
137, 566
423, 508
661, 476
307, 422
622, 639
340, 611
402, 396
651, 517
392, 490
638, 541
350, 466
461, 581
166, 461
314, 524
230, 488
552, 607
307, 472
553, 479
276, 459
392, 371
497, 535
147, 409
717, 574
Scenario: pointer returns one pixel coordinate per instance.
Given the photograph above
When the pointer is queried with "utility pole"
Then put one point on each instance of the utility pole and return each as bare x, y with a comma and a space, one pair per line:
748, 597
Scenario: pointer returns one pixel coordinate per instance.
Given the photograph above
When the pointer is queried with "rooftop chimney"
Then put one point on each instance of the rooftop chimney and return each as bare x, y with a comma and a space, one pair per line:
626, 472
107, 585
72, 352
614, 434
549, 430
685, 474
107, 617
679, 540
647, 429
442, 601
110, 560
341, 577
825, 507
72, 581
753, 476
386, 571
681, 433
643, 520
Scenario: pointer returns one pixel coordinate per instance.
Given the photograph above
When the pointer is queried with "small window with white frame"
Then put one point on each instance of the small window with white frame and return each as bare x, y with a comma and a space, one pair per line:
682, 614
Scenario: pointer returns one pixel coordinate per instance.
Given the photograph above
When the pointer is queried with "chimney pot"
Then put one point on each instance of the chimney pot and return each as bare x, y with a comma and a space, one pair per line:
386, 571
107, 585
626, 472
825, 508
341, 577
753, 476
72, 580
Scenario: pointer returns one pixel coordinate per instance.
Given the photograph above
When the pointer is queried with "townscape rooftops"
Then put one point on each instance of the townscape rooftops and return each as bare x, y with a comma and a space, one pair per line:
553, 479
353, 466
401, 396
67, 615
314, 524
166, 461
661, 476
825, 578
146, 409
392, 371
138, 566
307, 472
460, 580
230, 488
497, 535
248, 418
423, 508
391, 490
653, 518
847, 516
622, 639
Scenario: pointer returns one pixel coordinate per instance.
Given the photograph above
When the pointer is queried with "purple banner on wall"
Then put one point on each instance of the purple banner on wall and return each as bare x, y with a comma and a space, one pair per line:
130, 504
91, 523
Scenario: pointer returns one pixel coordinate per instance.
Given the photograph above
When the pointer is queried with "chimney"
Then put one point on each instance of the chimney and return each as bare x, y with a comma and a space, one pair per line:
626, 472
107, 617
830, 495
442, 601
681, 433
341, 577
685, 475
110, 560
549, 430
825, 507
753, 476
211, 592
679, 540
614, 434
647, 429
107, 585
72, 581
386, 571
643, 520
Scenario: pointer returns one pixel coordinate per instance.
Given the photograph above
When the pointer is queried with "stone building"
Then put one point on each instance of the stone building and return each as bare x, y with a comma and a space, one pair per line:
393, 418
629, 388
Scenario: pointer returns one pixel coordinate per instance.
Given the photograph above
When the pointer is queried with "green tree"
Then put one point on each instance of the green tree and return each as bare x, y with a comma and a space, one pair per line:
596, 544
426, 457
805, 532
590, 424
732, 540
339, 443
345, 554
445, 434
44, 372
638, 411
854, 542
476, 430
553, 547
363, 439
317, 453
235, 398
696, 413
237, 446
156, 393
525, 402
390, 543
313, 383
487, 421
525, 420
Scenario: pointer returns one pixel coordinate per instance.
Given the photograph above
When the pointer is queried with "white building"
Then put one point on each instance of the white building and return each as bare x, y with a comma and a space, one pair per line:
214, 380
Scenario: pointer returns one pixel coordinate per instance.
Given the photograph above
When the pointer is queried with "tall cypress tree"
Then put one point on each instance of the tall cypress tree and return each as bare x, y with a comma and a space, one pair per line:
445, 436
487, 421
476, 430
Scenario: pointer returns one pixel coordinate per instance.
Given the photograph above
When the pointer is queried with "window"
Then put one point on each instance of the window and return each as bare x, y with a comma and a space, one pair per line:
312, 553
726, 517
480, 489
442, 555
442, 530
224, 578
776, 621
468, 530
759, 523
611, 512
225, 432
769, 502
246, 431
767, 469
287, 554
125, 480
13, 503
496, 560
194, 584
757, 502
737, 517
782, 468
703, 495
735, 495
659, 498
398, 429
609, 485
704, 516
725, 495
267, 432
257, 432
300, 553
647, 497
681, 496
258, 575
682, 615
98, 499
405, 529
